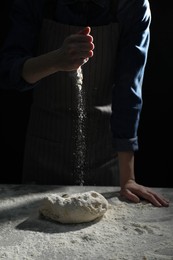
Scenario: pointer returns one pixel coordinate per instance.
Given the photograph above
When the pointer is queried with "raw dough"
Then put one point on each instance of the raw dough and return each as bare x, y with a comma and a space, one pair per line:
75, 208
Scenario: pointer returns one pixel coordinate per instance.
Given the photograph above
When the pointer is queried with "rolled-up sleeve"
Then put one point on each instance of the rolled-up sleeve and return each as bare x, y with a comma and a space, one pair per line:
134, 19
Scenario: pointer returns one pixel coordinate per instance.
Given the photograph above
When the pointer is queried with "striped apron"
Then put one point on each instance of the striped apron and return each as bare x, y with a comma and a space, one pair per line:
50, 144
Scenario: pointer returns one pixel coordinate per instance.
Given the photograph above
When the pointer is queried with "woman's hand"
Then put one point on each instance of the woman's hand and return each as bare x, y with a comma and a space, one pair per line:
75, 51
134, 192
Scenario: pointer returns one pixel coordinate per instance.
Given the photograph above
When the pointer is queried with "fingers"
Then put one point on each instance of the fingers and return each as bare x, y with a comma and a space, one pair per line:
85, 31
76, 50
87, 38
79, 47
130, 196
134, 195
79, 38
153, 197
156, 199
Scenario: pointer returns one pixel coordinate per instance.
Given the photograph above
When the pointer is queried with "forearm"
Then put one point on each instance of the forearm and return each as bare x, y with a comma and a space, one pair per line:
76, 49
126, 167
34, 69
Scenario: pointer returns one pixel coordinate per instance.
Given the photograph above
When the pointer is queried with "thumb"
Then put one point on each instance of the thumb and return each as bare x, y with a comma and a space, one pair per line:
85, 31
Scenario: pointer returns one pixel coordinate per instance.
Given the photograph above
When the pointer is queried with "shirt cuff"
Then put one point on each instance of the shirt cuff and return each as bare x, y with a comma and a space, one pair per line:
123, 145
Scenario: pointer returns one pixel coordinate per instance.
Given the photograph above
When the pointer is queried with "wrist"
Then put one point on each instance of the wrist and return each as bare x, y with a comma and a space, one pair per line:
126, 167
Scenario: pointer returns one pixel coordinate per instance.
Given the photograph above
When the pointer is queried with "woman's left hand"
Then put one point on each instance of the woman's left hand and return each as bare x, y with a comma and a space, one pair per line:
134, 192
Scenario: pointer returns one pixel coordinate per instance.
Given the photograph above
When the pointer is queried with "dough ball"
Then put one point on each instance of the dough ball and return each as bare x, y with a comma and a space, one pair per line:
75, 208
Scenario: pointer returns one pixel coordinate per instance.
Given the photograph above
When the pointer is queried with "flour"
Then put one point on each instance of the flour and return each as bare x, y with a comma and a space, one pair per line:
126, 231
80, 127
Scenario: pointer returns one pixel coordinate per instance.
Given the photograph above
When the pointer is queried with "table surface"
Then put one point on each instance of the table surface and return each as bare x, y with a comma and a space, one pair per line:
127, 231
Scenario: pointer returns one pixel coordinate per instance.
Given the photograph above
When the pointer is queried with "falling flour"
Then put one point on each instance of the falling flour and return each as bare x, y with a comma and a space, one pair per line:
80, 125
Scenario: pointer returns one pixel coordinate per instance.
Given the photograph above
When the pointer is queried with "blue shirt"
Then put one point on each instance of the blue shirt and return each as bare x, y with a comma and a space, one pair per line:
134, 19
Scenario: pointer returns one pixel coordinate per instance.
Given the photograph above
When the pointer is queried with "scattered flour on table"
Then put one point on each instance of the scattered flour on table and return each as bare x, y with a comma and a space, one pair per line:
126, 231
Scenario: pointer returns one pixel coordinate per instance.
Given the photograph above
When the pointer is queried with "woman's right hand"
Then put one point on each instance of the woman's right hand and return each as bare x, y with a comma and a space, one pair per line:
75, 51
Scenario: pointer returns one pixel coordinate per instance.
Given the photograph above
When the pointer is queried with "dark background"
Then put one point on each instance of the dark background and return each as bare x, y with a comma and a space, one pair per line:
153, 160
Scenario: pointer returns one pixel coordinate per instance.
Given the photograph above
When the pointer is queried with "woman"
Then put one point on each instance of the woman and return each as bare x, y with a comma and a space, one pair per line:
47, 43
